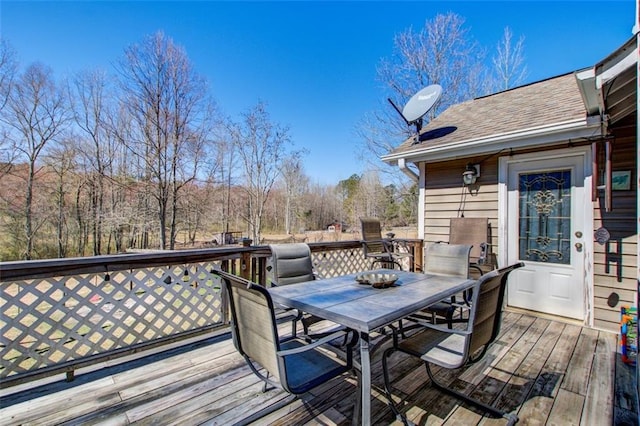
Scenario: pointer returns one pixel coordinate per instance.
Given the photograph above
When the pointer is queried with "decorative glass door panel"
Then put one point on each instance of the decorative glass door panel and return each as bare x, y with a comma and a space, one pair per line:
545, 217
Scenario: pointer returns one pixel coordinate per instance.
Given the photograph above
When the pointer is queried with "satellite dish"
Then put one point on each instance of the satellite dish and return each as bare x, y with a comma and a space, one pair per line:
419, 105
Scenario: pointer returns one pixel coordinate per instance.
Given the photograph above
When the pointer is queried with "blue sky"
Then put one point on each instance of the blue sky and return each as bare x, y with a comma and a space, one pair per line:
313, 63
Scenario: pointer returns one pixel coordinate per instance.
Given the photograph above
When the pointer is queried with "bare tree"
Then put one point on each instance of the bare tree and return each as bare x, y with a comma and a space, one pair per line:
36, 114
442, 52
508, 62
61, 159
371, 200
168, 103
8, 71
261, 146
91, 109
226, 160
295, 184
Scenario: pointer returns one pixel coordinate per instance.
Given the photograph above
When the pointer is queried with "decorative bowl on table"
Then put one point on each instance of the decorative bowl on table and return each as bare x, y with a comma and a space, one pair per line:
377, 279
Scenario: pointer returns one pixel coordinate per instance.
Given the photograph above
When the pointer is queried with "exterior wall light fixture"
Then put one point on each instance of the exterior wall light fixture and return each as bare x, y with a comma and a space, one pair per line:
471, 174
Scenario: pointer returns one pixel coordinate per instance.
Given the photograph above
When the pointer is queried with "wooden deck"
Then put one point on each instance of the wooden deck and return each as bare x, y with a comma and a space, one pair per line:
547, 371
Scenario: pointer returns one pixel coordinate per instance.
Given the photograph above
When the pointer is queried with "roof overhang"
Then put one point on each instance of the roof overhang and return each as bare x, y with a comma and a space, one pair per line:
616, 80
586, 80
609, 88
530, 138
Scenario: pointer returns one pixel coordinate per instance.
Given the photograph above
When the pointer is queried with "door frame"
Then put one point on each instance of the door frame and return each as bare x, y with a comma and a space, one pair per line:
503, 220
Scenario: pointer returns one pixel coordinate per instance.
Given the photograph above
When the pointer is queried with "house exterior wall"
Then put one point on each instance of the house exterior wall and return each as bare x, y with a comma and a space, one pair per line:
615, 263
445, 198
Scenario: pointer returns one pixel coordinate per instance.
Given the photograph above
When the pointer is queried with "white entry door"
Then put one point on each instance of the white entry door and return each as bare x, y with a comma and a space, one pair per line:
546, 230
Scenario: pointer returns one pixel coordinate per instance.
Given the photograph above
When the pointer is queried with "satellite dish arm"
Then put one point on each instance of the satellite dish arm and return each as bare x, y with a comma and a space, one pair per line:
398, 110
418, 124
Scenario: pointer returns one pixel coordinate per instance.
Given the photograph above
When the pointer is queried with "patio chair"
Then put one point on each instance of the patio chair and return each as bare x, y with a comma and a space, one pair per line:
450, 260
455, 348
291, 364
474, 231
291, 264
386, 252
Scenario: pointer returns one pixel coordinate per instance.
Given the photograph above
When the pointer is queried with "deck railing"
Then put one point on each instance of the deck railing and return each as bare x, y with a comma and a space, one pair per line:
60, 315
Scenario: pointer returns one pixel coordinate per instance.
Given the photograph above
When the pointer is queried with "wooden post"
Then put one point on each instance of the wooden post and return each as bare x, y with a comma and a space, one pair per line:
245, 260
418, 257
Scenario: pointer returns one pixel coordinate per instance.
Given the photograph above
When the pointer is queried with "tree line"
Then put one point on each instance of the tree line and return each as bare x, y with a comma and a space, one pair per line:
142, 157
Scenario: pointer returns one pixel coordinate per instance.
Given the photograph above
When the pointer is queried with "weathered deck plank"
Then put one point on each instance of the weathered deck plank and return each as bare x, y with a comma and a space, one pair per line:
546, 371
519, 385
625, 401
567, 409
598, 406
577, 378
535, 410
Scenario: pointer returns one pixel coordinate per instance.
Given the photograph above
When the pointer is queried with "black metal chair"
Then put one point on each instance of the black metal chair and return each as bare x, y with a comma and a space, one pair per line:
454, 348
386, 252
292, 364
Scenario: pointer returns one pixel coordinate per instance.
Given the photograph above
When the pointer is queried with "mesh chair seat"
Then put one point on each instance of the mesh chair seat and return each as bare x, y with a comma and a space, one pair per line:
308, 369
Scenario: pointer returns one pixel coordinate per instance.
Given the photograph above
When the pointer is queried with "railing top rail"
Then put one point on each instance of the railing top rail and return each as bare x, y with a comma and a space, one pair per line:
22, 269
28, 269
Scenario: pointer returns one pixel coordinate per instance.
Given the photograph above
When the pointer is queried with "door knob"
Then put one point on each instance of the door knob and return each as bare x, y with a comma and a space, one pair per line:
579, 246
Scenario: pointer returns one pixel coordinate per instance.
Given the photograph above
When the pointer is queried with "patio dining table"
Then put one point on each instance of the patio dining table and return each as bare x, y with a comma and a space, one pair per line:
366, 309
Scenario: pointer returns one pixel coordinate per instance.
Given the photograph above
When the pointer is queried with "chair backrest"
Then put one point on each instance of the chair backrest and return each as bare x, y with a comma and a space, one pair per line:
447, 259
473, 231
486, 307
253, 323
291, 263
371, 235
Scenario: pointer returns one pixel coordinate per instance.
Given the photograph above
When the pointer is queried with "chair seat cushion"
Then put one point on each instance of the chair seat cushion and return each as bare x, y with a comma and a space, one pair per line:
308, 369
436, 347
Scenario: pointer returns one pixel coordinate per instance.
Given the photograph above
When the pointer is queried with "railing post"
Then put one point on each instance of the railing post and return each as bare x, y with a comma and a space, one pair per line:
245, 260
418, 250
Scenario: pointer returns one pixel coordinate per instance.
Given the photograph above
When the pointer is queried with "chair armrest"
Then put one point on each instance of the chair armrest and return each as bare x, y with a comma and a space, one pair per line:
463, 306
476, 267
426, 324
387, 244
314, 344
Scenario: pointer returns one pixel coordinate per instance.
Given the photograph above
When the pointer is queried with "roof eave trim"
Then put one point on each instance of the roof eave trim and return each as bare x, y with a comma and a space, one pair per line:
569, 130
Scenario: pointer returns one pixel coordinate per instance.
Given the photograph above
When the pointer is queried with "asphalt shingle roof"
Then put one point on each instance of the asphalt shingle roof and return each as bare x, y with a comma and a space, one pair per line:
540, 104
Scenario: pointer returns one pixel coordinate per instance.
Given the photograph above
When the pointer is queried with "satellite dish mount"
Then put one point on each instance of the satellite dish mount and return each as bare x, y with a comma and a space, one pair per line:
418, 106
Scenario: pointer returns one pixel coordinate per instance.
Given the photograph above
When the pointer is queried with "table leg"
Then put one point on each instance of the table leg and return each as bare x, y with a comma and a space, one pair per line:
365, 380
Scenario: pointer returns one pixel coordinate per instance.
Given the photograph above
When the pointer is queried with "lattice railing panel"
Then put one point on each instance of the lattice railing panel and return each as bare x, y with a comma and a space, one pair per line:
332, 263
58, 319
53, 321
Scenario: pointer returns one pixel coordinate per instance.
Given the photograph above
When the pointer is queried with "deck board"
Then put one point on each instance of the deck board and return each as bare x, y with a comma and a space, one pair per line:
547, 371
600, 393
